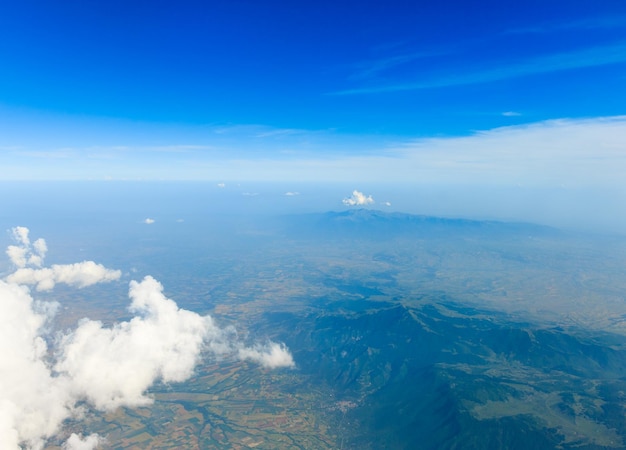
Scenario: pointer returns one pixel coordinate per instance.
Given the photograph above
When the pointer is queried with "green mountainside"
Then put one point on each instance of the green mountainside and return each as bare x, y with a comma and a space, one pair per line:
443, 376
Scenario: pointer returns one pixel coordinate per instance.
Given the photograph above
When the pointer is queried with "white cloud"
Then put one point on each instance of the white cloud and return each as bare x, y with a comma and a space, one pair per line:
76, 442
271, 355
33, 402
387, 203
95, 366
291, 194
586, 152
373, 158
40, 249
149, 221
111, 367
24, 253
555, 152
17, 255
358, 199
511, 114
82, 274
20, 234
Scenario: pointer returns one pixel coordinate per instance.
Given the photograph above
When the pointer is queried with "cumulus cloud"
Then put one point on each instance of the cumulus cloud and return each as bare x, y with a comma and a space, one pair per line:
33, 402
114, 366
271, 355
358, 199
76, 442
93, 366
149, 221
82, 274
24, 253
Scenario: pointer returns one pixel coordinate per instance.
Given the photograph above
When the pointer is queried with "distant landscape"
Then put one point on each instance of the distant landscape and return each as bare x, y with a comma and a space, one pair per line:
407, 332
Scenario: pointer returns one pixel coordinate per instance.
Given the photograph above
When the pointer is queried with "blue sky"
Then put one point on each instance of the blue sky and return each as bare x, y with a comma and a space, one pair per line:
395, 68
476, 94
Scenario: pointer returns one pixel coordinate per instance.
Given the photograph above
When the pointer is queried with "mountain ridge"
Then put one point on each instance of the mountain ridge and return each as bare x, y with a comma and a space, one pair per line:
362, 221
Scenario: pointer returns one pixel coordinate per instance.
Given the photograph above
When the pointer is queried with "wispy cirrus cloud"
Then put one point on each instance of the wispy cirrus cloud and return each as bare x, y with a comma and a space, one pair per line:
564, 151
582, 58
590, 23
373, 67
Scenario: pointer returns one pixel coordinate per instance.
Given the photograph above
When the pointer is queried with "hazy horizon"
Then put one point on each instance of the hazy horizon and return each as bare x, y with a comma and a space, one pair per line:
568, 209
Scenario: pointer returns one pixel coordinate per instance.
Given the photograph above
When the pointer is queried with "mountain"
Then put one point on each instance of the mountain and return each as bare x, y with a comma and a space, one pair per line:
379, 224
445, 376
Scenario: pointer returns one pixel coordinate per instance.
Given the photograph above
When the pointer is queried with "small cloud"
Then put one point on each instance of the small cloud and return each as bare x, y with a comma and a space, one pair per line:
221, 185
511, 114
358, 199
249, 194
24, 253
291, 194
29, 259
80, 275
149, 221
180, 220
387, 203
271, 355
76, 442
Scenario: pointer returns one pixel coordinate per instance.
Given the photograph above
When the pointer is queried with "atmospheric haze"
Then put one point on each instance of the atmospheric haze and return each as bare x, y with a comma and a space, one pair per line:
563, 172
